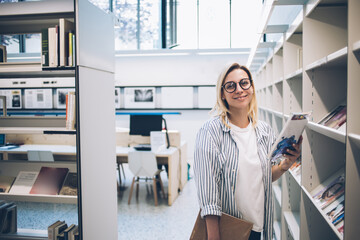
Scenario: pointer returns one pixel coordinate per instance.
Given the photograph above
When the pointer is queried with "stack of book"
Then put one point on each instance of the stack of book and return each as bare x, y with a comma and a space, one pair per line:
59, 230
8, 217
58, 45
70, 111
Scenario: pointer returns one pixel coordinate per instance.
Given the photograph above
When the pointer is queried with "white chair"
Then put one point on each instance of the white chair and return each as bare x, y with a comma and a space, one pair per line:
144, 167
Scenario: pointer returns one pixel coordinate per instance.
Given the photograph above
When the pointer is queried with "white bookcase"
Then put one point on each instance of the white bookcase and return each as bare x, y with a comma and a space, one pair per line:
93, 79
314, 68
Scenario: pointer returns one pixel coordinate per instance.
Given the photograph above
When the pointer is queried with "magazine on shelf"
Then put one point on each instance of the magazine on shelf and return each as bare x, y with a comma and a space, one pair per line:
336, 118
331, 192
289, 135
23, 182
70, 185
49, 180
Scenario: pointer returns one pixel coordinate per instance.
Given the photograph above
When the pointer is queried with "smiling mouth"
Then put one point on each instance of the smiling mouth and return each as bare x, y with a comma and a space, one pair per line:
241, 97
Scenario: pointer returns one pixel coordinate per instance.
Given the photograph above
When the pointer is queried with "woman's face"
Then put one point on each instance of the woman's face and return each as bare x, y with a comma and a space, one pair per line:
240, 98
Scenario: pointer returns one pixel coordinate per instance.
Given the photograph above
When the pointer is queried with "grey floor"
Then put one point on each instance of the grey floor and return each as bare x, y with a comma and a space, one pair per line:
139, 220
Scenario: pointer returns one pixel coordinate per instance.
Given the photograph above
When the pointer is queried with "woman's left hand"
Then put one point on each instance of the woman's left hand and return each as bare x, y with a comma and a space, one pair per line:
295, 154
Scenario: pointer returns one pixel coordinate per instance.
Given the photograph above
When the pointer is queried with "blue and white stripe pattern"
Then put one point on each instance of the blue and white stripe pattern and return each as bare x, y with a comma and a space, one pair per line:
215, 169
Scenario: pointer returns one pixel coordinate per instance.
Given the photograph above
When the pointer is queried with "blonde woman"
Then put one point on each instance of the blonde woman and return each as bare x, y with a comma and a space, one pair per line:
231, 168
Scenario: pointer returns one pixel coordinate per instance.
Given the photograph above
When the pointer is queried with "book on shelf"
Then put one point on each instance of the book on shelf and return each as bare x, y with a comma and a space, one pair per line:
65, 27
3, 54
53, 33
331, 192
335, 209
49, 181
36, 155
45, 47
6, 183
13, 98
336, 118
69, 232
8, 218
70, 111
55, 229
289, 135
38, 98
60, 97
23, 182
70, 185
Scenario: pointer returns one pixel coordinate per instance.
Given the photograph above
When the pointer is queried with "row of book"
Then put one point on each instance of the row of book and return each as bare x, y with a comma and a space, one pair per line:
8, 217
59, 230
49, 181
58, 45
331, 200
42, 98
336, 118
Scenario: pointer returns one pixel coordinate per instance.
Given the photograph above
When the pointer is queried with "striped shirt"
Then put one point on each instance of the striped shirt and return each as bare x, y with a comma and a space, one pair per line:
215, 169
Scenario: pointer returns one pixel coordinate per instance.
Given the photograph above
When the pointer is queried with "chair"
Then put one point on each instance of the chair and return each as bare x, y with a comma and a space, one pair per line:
144, 167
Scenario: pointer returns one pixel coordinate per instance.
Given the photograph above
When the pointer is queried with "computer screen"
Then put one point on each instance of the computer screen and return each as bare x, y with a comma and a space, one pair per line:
144, 124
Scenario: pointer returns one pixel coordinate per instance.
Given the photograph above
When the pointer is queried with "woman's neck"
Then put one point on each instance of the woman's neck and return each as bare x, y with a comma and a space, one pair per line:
239, 119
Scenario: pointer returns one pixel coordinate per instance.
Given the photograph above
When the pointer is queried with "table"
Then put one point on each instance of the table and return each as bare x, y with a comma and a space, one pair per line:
170, 156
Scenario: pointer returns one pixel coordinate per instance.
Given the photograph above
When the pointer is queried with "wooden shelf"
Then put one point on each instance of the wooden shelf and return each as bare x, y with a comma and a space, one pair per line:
329, 132
293, 220
336, 59
34, 130
39, 198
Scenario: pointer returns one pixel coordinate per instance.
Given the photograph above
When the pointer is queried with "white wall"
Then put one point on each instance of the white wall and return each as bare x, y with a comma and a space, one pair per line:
191, 69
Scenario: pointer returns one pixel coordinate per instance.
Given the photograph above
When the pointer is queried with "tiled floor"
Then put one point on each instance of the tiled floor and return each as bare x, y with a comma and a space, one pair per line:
139, 220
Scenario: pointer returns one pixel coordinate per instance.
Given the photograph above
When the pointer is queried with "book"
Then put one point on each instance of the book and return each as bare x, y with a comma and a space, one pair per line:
23, 182
38, 98
289, 135
336, 118
45, 47
230, 227
51, 229
53, 46
68, 231
70, 235
6, 183
70, 185
9, 222
35, 155
70, 111
49, 181
13, 98
4, 213
3, 54
59, 230
71, 49
60, 97
65, 26
334, 190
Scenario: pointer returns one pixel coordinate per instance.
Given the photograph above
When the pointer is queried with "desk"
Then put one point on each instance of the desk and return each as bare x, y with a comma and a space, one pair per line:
168, 156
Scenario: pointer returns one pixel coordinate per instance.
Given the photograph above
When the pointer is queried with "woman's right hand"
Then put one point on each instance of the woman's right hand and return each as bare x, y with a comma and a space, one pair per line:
212, 227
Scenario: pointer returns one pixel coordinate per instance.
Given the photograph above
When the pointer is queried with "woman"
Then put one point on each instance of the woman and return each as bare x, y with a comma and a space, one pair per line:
231, 168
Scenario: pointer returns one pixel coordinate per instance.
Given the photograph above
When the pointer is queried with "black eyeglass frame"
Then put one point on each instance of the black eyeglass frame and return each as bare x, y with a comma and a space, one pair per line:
238, 83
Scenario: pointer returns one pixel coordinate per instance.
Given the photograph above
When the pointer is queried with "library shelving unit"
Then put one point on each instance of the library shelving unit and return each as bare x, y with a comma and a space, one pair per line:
314, 68
94, 137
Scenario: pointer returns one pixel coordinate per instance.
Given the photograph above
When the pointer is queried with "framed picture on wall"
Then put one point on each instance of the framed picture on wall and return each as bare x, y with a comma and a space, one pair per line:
138, 97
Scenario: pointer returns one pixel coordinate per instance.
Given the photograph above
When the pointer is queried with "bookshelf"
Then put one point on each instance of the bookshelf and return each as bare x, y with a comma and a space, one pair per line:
315, 67
94, 138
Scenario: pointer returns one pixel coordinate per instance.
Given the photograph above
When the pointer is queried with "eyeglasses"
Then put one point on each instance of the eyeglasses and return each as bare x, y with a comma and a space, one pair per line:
244, 83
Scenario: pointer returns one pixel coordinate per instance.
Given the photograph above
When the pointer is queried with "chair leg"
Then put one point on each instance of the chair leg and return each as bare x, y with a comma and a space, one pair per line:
122, 167
155, 192
131, 189
137, 189
162, 186
119, 174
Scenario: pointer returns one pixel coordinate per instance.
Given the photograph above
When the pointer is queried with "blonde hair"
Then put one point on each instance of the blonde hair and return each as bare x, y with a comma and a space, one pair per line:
221, 107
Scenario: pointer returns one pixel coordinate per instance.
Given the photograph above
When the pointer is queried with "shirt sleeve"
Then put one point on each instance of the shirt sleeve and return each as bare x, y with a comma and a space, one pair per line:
207, 173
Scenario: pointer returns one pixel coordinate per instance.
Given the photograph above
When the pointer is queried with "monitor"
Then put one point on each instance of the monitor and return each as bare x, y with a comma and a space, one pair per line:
144, 124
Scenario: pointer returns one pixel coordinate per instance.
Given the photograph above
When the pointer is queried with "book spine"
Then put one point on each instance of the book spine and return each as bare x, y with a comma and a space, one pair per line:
45, 47
70, 58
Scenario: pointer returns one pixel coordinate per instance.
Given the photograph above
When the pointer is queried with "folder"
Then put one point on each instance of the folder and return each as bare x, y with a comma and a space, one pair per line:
231, 228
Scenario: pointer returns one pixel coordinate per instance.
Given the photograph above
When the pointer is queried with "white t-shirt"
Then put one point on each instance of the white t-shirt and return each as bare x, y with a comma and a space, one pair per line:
249, 192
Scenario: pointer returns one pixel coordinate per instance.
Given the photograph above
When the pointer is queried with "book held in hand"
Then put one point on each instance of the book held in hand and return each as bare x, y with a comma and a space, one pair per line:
49, 181
289, 135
